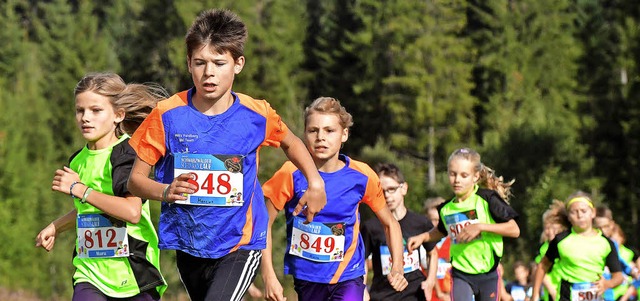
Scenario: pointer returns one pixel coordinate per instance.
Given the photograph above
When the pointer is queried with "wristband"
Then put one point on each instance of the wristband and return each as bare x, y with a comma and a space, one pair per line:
86, 194
71, 188
165, 193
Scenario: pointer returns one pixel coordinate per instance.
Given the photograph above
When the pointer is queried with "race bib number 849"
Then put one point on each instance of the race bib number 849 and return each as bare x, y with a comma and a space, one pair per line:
317, 241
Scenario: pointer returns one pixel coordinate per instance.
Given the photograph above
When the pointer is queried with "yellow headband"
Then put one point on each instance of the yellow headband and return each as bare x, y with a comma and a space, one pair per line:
579, 199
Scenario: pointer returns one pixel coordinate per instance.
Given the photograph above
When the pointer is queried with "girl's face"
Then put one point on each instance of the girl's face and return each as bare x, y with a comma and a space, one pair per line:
581, 216
551, 230
96, 119
604, 224
324, 136
462, 177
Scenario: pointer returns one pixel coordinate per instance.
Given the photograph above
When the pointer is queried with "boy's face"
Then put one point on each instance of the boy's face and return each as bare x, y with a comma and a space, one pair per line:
324, 136
394, 192
213, 73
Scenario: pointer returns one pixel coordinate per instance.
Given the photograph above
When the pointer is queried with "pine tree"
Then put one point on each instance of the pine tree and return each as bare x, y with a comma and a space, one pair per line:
526, 81
609, 73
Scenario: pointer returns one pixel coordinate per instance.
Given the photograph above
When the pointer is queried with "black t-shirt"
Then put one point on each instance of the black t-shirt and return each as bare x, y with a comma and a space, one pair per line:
374, 237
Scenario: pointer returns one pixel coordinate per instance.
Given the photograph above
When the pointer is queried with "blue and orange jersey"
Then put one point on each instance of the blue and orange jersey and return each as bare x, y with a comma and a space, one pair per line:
175, 128
346, 188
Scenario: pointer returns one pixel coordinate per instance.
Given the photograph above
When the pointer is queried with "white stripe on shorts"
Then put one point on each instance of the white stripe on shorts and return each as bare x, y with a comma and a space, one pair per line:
248, 272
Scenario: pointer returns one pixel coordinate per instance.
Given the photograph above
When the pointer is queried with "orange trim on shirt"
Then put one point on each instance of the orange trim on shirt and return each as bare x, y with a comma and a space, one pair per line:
349, 254
279, 189
247, 230
276, 129
373, 196
149, 139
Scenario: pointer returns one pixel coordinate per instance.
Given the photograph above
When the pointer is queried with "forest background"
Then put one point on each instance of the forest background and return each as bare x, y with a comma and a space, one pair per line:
548, 91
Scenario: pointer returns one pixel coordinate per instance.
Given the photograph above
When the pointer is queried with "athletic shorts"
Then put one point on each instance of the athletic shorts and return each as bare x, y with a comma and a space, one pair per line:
225, 279
342, 291
86, 291
478, 287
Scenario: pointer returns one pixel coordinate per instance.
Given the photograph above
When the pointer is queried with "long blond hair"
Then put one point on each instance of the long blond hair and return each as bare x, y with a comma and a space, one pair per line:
556, 214
488, 179
137, 100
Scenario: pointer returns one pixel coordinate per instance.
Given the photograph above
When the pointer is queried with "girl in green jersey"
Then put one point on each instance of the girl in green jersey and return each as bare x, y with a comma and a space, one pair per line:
476, 219
116, 255
554, 221
579, 256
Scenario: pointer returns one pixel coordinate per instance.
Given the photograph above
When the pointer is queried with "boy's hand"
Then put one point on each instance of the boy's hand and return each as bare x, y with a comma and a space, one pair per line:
180, 187
273, 289
312, 201
414, 242
397, 280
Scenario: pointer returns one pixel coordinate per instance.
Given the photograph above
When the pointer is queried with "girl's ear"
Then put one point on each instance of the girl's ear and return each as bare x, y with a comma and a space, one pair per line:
476, 177
120, 114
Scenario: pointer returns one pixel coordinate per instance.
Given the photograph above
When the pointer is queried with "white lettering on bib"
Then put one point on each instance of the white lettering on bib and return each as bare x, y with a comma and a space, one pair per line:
584, 291
458, 221
98, 237
219, 178
317, 241
411, 261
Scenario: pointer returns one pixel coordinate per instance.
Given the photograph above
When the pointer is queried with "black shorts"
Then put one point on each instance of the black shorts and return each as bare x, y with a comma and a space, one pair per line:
482, 287
226, 278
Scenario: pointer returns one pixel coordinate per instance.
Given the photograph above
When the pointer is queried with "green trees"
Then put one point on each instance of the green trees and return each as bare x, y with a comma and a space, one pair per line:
545, 90
526, 77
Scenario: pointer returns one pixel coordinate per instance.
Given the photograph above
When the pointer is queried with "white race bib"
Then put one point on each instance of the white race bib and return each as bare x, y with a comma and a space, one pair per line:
584, 291
411, 261
219, 178
317, 241
98, 237
458, 221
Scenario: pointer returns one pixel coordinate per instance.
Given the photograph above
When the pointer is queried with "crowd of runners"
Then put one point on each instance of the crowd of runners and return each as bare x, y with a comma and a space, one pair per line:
201, 147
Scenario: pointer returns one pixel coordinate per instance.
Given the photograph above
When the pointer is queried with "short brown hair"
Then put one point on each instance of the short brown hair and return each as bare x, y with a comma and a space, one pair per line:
219, 28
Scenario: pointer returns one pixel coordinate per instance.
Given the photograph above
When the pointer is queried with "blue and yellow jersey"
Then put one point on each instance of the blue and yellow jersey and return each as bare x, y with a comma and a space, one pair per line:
175, 129
330, 249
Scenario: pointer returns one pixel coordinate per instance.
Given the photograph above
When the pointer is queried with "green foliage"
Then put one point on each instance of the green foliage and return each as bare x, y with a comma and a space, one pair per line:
530, 132
609, 70
546, 91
